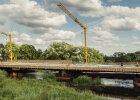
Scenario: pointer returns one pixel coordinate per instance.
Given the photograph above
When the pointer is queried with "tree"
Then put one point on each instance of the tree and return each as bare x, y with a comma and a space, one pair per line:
1, 45
119, 56
27, 52
39, 52
5, 51
65, 51
59, 50
94, 55
137, 56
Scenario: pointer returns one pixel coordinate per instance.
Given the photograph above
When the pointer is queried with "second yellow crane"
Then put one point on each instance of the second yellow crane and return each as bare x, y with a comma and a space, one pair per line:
77, 21
10, 37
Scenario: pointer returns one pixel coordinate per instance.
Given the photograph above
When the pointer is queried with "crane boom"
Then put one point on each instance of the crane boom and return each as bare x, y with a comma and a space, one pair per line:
78, 22
68, 13
5, 33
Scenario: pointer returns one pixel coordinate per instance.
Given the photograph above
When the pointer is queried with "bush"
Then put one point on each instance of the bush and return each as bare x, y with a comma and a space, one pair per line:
97, 81
50, 76
83, 81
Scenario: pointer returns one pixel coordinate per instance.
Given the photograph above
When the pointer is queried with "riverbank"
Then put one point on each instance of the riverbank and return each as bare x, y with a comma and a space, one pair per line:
39, 89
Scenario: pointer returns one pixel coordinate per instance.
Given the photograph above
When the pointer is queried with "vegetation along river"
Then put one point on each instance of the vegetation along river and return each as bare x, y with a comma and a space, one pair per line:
112, 89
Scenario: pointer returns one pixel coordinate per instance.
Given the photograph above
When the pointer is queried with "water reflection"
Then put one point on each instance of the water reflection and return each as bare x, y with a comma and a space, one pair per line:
117, 89
36, 75
118, 82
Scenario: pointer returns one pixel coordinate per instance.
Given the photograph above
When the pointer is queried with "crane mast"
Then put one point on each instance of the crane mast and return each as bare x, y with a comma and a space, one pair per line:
78, 22
10, 38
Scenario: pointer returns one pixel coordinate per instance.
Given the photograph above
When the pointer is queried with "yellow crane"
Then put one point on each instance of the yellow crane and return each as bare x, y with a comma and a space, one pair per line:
78, 22
10, 37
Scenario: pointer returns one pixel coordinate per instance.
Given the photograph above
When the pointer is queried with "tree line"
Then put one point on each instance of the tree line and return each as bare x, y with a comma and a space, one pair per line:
55, 51
123, 57
65, 51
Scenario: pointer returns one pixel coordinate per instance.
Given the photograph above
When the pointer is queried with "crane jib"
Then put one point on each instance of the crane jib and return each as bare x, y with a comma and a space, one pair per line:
78, 22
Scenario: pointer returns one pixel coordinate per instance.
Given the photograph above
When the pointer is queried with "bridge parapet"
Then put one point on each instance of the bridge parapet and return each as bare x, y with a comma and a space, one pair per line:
44, 61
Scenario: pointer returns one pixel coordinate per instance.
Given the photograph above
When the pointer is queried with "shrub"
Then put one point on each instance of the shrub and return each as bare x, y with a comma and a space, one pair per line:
83, 81
97, 81
50, 76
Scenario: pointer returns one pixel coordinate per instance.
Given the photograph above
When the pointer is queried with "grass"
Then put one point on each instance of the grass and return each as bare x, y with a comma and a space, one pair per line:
97, 81
83, 81
86, 81
35, 89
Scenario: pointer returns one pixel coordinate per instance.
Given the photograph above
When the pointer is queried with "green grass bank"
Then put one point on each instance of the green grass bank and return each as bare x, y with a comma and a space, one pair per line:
35, 89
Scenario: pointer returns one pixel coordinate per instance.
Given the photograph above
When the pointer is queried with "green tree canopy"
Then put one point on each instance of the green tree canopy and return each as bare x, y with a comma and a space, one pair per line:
27, 52
65, 51
5, 51
56, 51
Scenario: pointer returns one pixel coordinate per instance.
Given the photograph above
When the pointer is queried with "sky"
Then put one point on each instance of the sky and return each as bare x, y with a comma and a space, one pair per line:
112, 25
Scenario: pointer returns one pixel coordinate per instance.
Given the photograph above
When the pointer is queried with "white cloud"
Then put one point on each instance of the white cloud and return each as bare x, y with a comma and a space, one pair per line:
120, 24
116, 45
103, 36
39, 41
17, 41
125, 18
25, 37
83, 7
114, 0
75, 43
136, 43
30, 14
54, 34
135, 38
45, 21
96, 47
94, 8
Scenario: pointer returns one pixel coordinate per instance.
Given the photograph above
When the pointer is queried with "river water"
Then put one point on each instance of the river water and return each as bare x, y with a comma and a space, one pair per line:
113, 89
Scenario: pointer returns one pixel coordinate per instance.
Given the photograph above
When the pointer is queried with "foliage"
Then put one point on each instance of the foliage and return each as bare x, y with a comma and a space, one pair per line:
27, 52
123, 57
33, 89
38, 55
65, 51
97, 81
50, 78
3, 76
6, 48
56, 51
1, 46
83, 81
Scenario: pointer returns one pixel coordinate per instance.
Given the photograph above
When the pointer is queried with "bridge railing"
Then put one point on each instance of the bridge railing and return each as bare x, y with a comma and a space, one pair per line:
43, 61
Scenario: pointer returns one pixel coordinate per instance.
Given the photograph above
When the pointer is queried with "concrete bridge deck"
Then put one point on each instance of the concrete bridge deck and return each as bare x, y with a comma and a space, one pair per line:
72, 67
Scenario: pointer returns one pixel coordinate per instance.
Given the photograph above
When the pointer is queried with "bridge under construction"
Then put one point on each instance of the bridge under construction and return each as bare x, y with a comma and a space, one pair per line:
71, 67
68, 71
